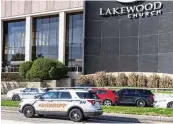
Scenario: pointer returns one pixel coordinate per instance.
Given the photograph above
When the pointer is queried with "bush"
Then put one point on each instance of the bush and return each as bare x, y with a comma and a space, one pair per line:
85, 79
28, 75
153, 81
132, 80
59, 71
112, 80
166, 82
121, 79
44, 68
100, 79
142, 80
24, 68
11, 77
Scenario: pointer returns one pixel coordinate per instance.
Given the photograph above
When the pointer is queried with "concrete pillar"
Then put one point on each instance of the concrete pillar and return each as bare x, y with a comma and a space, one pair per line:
28, 39
1, 44
62, 32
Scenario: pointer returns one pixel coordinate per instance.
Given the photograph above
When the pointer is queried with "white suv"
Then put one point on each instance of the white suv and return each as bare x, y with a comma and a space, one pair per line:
77, 104
24, 93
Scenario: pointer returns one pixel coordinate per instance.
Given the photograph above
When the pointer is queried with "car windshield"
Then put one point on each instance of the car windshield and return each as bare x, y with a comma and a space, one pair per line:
87, 95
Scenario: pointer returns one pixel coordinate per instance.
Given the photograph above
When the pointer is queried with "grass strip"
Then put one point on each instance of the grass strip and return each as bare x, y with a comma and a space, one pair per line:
117, 109
139, 110
10, 103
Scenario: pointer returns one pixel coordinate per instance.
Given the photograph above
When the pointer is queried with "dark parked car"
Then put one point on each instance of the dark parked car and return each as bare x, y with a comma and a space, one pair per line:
138, 97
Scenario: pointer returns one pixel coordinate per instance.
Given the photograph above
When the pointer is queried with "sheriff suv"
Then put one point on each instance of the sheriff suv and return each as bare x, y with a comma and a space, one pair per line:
77, 104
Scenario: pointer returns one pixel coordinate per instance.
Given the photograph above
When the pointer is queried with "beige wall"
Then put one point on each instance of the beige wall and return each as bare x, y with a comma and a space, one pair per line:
12, 8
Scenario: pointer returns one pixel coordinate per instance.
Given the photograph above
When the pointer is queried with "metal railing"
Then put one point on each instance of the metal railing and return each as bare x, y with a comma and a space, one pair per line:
16, 69
10, 69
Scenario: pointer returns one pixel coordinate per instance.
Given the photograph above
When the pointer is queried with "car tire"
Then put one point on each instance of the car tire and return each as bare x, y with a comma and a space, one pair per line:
76, 115
16, 98
170, 105
107, 102
29, 112
141, 103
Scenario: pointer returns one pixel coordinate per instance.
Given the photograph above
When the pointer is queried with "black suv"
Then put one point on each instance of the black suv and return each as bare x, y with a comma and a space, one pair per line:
138, 97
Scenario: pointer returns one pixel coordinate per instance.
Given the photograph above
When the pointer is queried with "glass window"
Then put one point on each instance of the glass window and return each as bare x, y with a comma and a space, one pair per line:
27, 90
101, 92
64, 95
141, 91
45, 30
50, 95
34, 90
74, 40
86, 95
14, 44
129, 92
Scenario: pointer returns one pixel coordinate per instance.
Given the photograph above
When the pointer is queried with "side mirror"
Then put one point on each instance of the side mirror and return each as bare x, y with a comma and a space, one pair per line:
40, 97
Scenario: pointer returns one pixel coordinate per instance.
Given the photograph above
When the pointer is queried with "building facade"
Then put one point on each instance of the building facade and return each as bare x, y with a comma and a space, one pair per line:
129, 37
89, 36
32, 29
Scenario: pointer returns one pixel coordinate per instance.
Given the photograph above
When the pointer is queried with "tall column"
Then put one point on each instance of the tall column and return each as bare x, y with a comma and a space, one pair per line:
1, 44
28, 39
62, 31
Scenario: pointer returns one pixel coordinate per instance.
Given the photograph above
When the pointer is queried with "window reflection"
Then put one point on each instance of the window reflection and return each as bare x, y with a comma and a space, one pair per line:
14, 44
45, 37
74, 41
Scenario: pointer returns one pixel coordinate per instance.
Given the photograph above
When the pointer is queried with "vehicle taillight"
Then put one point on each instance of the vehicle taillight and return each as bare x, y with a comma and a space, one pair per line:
91, 101
152, 97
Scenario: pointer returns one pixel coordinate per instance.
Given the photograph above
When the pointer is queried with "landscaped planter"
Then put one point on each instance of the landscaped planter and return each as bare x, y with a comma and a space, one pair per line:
10, 85
66, 82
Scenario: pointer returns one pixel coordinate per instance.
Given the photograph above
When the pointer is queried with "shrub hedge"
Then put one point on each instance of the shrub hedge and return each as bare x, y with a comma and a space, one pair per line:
101, 79
44, 68
24, 68
40, 69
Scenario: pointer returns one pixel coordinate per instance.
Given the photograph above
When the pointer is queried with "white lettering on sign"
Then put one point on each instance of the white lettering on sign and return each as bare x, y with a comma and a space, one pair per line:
149, 9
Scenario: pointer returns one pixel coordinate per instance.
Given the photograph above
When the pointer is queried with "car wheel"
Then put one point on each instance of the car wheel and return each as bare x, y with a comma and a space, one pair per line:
141, 103
170, 105
76, 115
107, 103
16, 98
28, 111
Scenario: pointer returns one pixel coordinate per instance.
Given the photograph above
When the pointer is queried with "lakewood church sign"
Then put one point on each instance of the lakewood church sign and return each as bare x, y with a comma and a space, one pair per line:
147, 10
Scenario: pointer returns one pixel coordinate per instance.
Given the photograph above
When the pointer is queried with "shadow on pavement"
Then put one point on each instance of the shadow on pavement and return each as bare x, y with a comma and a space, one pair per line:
118, 119
100, 119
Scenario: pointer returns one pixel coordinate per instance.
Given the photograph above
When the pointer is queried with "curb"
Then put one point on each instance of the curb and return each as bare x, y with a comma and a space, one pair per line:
118, 117
9, 108
127, 117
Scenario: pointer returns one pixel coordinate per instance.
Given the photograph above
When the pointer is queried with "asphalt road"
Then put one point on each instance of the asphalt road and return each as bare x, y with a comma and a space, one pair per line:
14, 117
